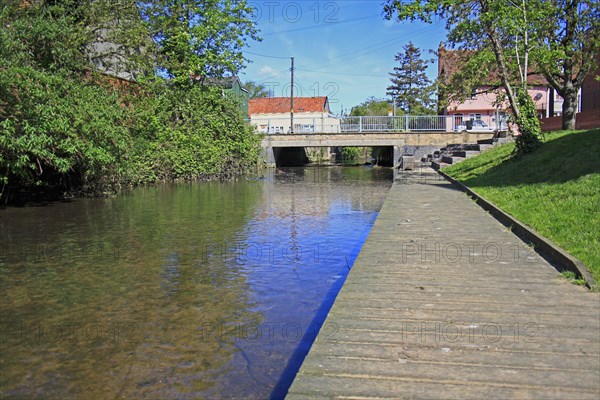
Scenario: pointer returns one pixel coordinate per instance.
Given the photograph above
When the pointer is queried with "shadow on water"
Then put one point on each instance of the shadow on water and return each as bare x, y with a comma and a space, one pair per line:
295, 361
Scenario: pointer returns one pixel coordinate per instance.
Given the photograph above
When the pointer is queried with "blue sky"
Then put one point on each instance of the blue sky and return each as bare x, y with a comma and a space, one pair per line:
342, 49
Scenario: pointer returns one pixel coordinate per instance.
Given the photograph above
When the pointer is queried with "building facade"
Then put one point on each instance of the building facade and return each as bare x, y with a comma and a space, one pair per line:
273, 115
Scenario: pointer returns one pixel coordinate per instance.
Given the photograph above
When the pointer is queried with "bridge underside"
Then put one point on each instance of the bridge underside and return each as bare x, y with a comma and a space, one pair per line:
402, 143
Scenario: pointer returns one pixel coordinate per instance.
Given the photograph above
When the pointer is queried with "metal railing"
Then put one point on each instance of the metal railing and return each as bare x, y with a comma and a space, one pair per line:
366, 124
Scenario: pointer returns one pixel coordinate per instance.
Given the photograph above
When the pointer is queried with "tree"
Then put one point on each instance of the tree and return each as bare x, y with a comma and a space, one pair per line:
371, 107
66, 128
568, 41
411, 90
199, 38
495, 35
75, 36
561, 36
256, 90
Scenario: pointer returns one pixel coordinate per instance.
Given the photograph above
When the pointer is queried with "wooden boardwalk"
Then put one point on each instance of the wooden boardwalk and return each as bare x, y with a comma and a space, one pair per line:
444, 302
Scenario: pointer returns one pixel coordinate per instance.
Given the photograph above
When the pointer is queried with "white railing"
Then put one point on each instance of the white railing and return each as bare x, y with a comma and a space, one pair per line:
366, 124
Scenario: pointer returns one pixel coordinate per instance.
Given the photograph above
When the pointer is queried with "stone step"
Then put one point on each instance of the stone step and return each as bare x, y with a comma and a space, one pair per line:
465, 153
452, 160
438, 165
499, 141
486, 141
495, 141
470, 147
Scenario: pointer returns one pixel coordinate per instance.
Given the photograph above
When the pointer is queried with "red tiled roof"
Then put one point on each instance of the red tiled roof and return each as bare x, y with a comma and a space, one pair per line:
278, 105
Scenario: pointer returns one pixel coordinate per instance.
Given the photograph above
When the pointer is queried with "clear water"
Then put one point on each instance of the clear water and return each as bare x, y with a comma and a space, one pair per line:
205, 290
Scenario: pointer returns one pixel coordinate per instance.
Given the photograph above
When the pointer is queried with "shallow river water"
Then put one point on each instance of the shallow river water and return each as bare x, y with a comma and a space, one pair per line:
204, 290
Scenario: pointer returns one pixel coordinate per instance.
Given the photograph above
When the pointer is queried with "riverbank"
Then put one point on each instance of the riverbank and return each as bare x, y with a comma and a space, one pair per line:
555, 190
71, 135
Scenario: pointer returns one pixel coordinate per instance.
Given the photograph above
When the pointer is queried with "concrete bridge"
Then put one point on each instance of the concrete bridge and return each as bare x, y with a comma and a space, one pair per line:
402, 135
399, 143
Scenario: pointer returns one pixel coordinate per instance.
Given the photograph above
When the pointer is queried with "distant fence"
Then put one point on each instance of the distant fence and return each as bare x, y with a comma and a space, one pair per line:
584, 120
366, 124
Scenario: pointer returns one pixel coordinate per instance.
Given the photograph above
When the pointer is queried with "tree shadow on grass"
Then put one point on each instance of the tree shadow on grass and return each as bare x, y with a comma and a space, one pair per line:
563, 159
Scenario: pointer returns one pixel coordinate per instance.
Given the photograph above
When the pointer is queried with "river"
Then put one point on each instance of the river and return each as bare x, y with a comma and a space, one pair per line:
180, 291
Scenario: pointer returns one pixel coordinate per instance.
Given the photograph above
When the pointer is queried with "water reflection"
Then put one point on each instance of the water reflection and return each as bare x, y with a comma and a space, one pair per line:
178, 291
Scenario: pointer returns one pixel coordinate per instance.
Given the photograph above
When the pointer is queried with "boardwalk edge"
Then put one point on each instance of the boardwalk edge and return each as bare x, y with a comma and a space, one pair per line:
557, 257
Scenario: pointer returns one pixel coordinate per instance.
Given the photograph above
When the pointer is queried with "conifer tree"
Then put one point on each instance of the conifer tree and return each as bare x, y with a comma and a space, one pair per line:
411, 90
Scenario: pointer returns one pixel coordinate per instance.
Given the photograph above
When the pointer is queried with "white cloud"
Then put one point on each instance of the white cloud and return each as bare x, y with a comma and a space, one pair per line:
266, 70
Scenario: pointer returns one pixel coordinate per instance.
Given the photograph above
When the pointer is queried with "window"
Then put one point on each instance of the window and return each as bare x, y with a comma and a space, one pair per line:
475, 117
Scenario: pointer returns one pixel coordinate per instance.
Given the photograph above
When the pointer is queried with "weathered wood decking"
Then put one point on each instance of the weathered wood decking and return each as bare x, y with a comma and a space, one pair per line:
444, 302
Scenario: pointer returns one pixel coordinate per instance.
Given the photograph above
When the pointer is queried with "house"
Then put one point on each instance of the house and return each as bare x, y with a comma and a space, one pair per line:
484, 104
311, 114
588, 115
232, 86
590, 90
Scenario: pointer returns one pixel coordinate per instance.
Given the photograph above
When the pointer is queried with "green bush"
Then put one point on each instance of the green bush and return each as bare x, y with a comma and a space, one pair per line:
350, 154
190, 132
58, 132
68, 134
529, 125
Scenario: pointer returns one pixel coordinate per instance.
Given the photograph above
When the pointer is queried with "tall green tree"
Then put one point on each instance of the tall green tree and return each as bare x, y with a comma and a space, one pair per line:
199, 39
490, 32
516, 37
411, 90
65, 128
75, 36
567, 43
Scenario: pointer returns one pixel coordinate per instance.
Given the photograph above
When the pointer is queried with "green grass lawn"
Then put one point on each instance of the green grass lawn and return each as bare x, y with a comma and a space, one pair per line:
555, 190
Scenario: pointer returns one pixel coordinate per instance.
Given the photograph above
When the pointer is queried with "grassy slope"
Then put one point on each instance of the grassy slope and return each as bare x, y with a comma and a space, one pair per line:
555, 190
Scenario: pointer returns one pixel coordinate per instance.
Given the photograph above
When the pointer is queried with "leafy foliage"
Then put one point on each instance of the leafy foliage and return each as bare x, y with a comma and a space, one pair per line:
350, 154
529, 126
411, 90
199, 38
60, 132
567, 48
561, 37
45, 35
65, 128
371, 107
193, 135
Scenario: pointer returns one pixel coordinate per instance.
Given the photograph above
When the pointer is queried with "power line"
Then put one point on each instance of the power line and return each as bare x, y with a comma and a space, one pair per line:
344, 57
369, 49
323, 25
266, 56
337, 73
274, 75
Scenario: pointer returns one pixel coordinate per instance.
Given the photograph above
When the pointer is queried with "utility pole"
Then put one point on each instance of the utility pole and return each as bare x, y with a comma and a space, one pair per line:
292, 99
